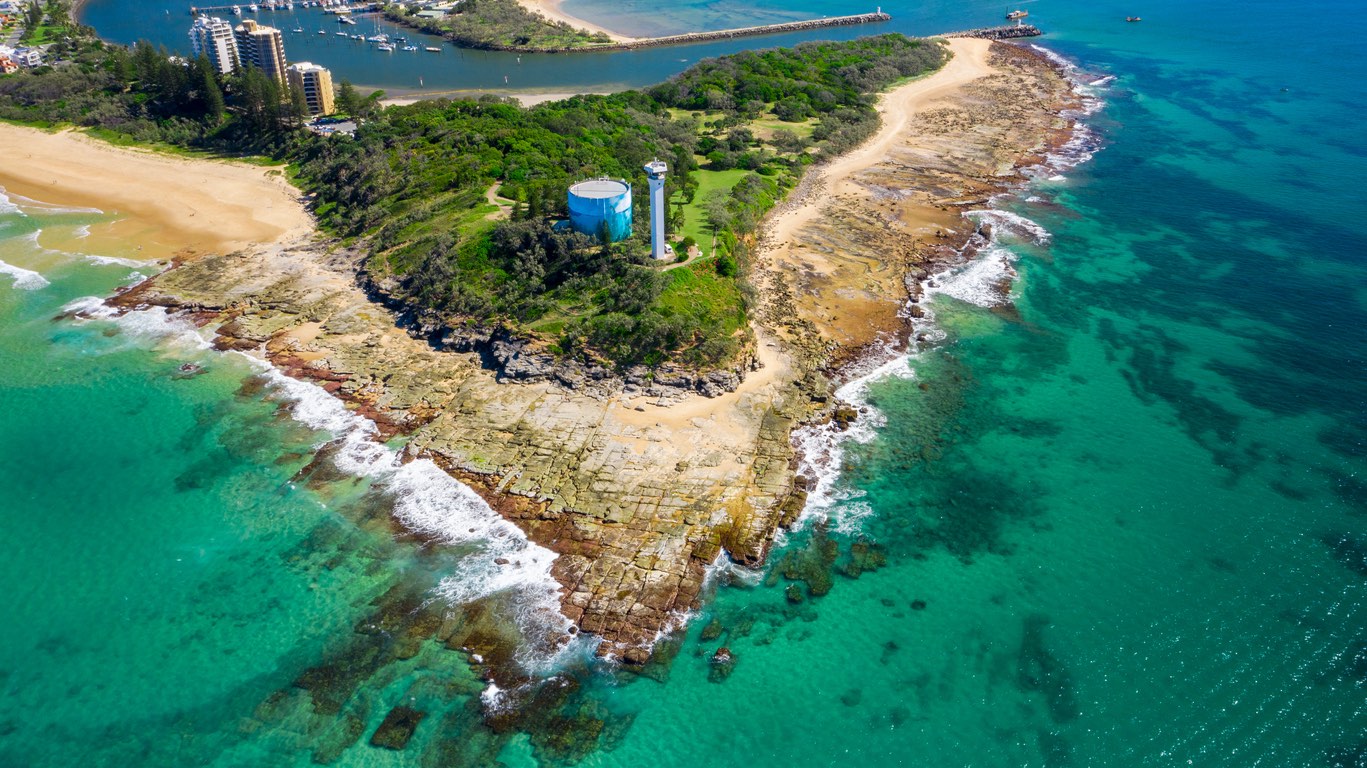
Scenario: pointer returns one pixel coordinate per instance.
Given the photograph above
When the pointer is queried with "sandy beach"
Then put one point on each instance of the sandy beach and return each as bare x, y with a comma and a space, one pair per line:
173, 204
896, 108
551, 10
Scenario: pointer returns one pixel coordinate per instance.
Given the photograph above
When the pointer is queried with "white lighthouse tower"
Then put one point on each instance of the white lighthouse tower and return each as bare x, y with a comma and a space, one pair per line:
655, 172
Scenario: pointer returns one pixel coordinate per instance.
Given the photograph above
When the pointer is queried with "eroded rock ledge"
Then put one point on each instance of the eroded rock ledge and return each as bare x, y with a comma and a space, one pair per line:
639, 482
514, 358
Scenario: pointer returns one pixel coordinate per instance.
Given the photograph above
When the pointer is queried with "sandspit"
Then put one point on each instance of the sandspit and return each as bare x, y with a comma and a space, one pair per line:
551, 10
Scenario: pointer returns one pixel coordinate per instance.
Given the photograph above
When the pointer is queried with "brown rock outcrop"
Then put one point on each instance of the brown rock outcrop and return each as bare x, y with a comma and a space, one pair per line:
637, 495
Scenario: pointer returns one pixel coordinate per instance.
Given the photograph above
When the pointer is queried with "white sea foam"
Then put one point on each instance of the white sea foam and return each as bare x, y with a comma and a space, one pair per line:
980, 281
1084, 142
493, 698
82, 231
724, 569
38, 205
497, 559
7, 205
152, 324
822, 449
1012, 223
25, 279
108, 260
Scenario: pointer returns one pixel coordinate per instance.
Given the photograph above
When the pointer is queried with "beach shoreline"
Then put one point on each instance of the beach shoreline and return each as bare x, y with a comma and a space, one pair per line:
843, 262
175, 205
525, 98
552, 10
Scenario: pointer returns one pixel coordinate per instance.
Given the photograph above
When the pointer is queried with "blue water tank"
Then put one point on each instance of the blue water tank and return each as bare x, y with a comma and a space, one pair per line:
597, 202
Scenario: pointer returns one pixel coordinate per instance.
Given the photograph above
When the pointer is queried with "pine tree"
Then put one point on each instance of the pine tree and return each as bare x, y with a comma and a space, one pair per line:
348, 100
209, 91
297, 107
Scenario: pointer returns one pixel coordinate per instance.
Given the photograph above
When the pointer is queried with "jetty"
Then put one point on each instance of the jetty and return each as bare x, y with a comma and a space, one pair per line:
1005, 32
764, 29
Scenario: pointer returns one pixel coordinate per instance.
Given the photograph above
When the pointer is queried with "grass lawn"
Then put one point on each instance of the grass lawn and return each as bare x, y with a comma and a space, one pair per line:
695, 215
698, 286
767, 123
44, 34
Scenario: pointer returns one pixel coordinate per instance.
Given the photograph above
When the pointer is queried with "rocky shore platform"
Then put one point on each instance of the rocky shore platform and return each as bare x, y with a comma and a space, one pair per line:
639, 484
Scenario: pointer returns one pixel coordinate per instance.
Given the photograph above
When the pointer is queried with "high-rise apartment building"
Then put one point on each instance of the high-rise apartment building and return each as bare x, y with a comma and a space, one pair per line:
213, 38
262, 47
316, 83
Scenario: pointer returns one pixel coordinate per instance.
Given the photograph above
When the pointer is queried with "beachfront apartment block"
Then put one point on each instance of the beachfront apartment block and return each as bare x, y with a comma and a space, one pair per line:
213, 38
316, 84
22, 57
262, 47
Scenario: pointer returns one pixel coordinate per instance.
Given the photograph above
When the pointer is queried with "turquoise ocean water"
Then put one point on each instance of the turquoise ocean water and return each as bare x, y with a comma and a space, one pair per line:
1119, 519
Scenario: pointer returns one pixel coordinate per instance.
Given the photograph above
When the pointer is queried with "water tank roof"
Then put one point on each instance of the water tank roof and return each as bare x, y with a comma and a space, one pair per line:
600, 188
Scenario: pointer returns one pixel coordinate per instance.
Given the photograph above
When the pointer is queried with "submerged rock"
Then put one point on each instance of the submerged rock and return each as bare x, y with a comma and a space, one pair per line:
722, 664
711, 631
397, 728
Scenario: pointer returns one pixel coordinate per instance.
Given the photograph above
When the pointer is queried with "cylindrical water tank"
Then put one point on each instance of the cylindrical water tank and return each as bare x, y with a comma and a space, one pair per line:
597, 202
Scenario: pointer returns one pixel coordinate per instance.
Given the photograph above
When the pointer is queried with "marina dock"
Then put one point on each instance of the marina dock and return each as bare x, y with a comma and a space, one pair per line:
196, 10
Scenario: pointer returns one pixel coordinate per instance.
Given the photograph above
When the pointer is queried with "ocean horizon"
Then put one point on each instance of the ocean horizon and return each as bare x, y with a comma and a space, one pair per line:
1120, 509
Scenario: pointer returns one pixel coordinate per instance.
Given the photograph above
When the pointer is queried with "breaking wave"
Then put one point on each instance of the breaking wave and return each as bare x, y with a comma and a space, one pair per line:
983, 279
25, 279
20, 202
1084, 142
7, 205
496, 560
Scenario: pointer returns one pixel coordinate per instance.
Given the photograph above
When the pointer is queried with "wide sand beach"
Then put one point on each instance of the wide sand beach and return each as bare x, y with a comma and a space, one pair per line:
169, 204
